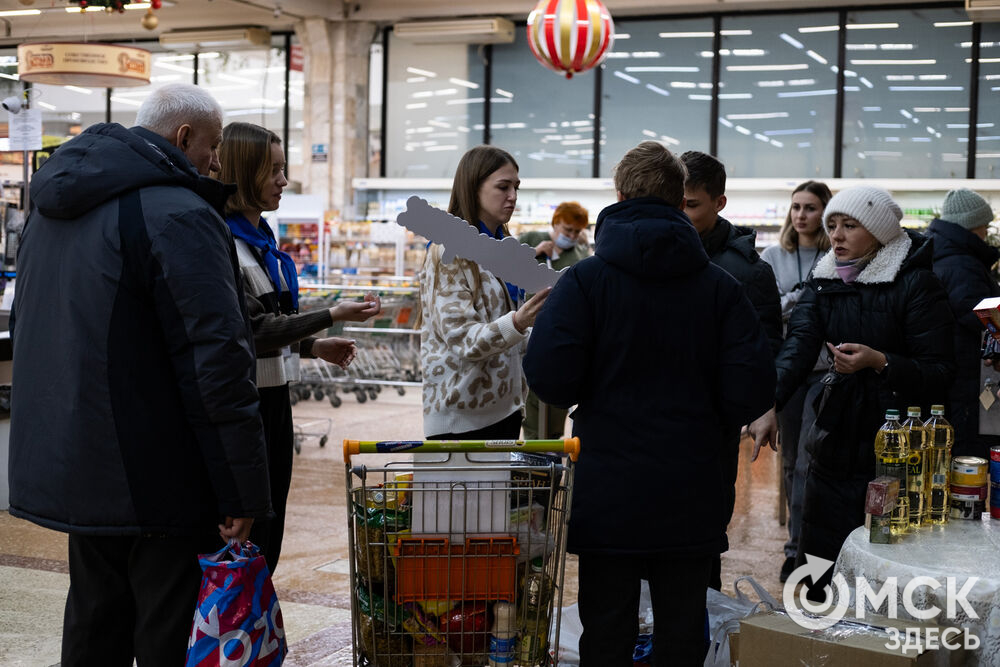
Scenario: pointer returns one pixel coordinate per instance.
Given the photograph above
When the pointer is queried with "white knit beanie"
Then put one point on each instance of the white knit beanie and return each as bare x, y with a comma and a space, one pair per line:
873, 207
966, 208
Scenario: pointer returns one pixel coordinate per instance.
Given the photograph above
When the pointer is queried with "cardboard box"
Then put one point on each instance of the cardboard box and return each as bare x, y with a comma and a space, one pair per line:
775, 640
988, 312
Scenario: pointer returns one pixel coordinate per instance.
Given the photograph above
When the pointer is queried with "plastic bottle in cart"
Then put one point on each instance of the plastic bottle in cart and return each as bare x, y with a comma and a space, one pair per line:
892, 448
503, 635
537, 589
941, 438
917, 475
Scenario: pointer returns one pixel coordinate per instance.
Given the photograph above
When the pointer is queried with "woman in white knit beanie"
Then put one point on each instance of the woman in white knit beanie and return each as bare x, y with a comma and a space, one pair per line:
875, 305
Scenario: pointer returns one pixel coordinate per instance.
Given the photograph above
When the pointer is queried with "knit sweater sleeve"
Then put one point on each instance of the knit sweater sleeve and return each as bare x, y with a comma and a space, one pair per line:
454, 319
272, 332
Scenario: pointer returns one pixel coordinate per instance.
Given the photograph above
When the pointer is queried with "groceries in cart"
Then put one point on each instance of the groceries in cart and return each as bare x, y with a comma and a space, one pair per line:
458, 555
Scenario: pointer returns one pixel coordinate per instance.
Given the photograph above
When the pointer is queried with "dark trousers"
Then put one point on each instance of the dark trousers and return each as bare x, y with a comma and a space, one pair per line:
508, 428
132, 597
279, 435
609, 608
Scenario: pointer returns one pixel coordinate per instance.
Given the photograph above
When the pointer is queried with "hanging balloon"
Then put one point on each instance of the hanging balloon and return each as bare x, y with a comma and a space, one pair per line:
570, 35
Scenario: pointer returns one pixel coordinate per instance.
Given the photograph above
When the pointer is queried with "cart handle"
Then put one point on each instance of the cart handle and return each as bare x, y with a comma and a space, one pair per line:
569, 446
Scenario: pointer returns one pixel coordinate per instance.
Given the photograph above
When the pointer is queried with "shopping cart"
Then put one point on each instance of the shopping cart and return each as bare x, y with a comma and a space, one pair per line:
305, 429
457, 557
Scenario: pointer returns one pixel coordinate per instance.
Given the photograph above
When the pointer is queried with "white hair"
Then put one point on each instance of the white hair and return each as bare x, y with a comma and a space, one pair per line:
176, 104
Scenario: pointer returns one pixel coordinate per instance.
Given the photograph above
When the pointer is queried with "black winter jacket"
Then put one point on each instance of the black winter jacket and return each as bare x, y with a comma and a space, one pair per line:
663, 354
134, 408
962, 261
734, 249
896, 306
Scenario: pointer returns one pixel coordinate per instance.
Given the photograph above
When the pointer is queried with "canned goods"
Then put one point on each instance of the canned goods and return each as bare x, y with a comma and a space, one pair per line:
968, 471
995, 453
969, 492
967, 509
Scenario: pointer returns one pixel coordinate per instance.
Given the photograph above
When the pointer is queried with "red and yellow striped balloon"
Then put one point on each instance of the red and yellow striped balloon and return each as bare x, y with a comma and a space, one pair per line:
570, 35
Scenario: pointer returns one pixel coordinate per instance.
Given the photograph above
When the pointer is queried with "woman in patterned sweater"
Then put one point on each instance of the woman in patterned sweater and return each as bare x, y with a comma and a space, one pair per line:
475, 325
251, 156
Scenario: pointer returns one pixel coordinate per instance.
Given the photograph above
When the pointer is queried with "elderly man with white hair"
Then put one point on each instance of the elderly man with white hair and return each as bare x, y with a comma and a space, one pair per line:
134, 426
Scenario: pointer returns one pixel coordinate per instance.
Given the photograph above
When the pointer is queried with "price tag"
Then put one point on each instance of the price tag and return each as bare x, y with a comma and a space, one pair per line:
987, 399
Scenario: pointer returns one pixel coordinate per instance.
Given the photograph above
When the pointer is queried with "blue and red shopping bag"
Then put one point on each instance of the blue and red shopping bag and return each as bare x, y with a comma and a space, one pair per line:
237, 620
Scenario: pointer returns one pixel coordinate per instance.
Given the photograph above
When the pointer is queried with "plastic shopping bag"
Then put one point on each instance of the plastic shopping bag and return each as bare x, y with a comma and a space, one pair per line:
237, 620
724, 614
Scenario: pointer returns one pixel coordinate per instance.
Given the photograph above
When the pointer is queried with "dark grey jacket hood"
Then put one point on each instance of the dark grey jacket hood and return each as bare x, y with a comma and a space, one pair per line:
72, 182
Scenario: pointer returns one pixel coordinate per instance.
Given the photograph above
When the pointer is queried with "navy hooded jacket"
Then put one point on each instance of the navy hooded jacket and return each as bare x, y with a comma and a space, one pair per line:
134, 408
663, 353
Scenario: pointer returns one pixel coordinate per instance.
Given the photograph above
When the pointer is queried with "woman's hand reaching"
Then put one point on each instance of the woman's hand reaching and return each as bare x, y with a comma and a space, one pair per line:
852, 357
338, 351
524, 317
357, 311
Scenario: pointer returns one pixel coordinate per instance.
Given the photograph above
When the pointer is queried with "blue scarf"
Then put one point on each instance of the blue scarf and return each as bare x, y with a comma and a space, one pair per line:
262, 238
516, 293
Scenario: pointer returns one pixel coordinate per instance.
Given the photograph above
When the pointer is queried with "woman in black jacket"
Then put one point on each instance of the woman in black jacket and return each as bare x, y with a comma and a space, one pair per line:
875, 304
962, 261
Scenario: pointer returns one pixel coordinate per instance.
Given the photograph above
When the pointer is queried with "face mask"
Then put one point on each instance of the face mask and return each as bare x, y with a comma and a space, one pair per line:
564, 241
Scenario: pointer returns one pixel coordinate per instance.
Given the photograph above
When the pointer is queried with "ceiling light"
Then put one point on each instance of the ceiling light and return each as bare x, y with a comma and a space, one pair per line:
922, 61
681, 35
765, 68
871, 26
951, 24
791, 40
21, 12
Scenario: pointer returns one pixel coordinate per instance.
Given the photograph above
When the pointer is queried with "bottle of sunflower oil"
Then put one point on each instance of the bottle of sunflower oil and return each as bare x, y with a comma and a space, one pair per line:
892, 447
942, 437
917, 474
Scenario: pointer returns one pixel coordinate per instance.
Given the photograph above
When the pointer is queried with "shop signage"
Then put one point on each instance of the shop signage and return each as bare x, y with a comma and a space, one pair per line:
83, 64
319, 153
25, 129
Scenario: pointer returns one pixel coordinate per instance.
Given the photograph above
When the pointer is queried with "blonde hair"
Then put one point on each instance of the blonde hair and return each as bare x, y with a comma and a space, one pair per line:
789, 238
245, 156
650, 170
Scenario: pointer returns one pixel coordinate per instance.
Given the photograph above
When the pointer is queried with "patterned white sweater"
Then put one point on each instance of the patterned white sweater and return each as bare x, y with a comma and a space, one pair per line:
470, 351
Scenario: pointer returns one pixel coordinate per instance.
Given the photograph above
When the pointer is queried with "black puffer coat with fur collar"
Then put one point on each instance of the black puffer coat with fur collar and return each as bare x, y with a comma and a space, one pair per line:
896, 306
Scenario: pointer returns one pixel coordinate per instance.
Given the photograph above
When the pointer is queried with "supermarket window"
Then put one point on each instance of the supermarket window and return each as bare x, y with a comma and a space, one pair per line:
249, 84
435, 98
988, 130
167, 67
657, 85
543, 119
778, 95
68, 110
906, 98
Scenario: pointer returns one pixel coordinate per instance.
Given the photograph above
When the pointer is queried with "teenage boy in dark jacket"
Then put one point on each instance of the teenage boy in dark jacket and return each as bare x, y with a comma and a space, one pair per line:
732, 248
962, 261
135, 426
663, 355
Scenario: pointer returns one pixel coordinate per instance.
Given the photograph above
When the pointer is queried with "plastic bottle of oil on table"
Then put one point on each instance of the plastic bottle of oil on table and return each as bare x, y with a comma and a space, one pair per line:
917, 470
941, 438
892, 451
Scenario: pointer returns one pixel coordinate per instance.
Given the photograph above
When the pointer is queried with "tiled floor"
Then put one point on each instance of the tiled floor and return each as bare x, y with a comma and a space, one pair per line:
312, 580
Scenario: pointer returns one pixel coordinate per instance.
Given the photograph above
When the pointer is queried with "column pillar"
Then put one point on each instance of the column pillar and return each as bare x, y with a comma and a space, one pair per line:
335, 109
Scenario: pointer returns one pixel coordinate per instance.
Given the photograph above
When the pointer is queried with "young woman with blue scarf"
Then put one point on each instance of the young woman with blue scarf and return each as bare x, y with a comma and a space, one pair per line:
251, 156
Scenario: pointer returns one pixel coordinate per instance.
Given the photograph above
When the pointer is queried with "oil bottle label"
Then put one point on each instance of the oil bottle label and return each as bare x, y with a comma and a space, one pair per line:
502, 650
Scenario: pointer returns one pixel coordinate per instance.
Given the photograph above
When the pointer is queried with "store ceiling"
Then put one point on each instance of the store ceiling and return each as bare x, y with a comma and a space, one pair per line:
53, 22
